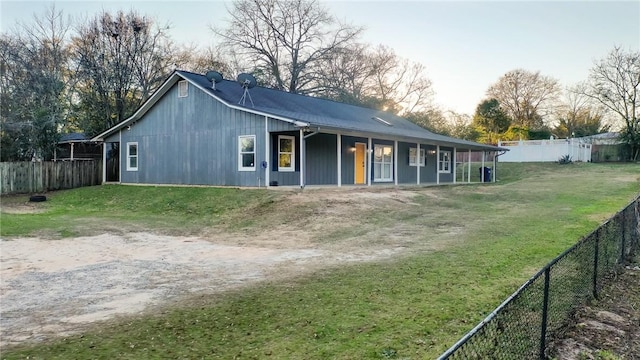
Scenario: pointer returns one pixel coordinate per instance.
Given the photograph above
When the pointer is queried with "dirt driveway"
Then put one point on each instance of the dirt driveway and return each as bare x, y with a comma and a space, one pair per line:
52, 287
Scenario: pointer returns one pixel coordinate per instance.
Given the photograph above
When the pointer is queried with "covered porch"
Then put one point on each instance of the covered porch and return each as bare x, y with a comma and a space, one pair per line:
316, 158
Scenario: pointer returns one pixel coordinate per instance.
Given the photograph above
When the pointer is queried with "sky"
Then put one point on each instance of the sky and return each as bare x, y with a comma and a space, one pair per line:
466, 46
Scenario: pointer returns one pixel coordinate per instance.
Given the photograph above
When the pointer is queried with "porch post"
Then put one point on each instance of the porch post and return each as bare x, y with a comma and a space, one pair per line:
339, 154
369, 153
395, 162
267, 171
104, 162
303, 163
482, 168
437, 164
72, 151
469, 172
454, 164
493, 173
418, 162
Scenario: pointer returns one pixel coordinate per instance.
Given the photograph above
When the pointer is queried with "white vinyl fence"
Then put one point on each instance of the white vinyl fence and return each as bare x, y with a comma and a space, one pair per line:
545, 150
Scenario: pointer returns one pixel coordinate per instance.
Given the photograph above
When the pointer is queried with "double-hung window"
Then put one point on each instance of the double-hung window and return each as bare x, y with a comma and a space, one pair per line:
286, 153
382, 163
413, 160
247, 153
444, 162
132, 156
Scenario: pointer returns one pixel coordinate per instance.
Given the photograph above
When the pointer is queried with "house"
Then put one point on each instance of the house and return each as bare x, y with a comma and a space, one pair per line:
203, 130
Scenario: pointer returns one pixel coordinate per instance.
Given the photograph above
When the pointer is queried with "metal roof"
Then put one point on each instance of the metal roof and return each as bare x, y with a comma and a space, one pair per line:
306, 111
72, 137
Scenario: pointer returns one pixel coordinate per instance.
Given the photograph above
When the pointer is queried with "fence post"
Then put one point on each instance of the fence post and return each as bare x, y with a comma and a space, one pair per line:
545, 309
595, 264
624, 235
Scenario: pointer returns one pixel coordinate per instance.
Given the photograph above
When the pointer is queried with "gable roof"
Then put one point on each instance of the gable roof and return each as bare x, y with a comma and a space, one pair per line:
303, 111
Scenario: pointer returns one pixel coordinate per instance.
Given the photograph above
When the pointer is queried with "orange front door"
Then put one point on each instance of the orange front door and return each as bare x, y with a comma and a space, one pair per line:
360, 163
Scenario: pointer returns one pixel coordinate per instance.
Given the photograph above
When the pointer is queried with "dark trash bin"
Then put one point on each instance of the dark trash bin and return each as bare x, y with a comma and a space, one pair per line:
487, 174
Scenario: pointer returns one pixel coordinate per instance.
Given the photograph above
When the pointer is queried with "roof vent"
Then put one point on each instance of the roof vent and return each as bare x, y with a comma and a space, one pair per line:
215, 77
382, 121
247, 81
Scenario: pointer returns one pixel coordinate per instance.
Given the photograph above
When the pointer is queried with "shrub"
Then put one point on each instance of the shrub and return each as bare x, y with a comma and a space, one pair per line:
565, 159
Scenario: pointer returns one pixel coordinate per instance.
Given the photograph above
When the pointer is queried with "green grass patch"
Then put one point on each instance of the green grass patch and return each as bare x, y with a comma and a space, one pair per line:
410, 307
97, 209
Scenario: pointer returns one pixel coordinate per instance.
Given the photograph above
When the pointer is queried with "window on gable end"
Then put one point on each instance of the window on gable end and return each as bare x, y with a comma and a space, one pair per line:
183, 88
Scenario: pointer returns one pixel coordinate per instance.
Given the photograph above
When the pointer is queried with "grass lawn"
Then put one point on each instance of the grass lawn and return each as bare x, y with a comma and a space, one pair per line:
410, 307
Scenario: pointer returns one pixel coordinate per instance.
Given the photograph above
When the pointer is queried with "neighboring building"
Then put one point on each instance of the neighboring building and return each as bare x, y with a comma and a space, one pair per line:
201, 132
607, 147
76, 146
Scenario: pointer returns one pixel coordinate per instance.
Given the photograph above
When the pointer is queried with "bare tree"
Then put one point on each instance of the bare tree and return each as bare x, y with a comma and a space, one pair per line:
34, 77
201, 61
577, 114
399, 83
376, 78
284, 40
525, 96
615, 82
121, 60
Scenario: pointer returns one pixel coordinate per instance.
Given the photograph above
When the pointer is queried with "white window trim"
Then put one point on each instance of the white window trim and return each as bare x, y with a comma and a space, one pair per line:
129, 156
390, 163
240, 153
293, 153
448, 162
423, 159
183, 88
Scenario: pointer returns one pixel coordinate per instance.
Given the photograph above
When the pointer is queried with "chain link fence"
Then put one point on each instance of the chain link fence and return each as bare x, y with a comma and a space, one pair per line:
522, 326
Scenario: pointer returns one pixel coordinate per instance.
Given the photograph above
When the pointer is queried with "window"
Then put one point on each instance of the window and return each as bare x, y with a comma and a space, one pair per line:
444, 162
286, 153
412, 157
247, 153
183, 88
132, 156
382, 163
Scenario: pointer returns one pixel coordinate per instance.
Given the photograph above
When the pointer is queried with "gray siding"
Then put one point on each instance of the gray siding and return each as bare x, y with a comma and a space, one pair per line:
428, 173
322, 160
406, 174
192, 140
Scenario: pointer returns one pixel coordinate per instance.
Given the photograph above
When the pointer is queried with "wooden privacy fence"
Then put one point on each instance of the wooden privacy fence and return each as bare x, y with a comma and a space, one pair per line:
31, 177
